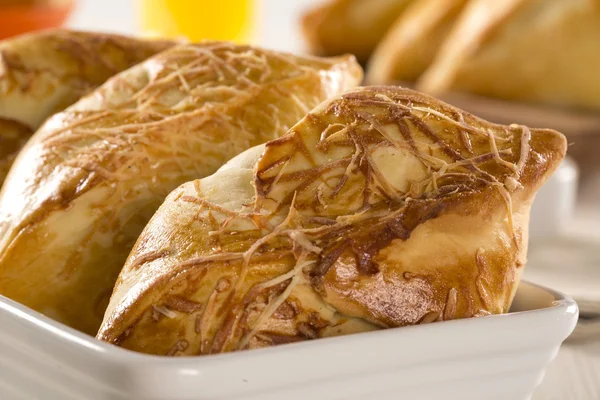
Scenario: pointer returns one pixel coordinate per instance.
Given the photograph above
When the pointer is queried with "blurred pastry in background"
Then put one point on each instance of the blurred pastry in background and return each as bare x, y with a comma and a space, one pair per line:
383, 207
539, 51
412, 43
544, 51
91, 177
44, 72
350, 26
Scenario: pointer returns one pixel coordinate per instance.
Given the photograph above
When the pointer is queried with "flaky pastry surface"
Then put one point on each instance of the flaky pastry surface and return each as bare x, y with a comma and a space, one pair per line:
383, 207
44, 72
90, 179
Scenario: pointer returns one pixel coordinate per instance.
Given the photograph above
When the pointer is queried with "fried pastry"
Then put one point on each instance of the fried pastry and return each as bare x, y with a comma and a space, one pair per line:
383, 207
13, 136
543, 51
44, 72
412, 43
89, 180
350, 26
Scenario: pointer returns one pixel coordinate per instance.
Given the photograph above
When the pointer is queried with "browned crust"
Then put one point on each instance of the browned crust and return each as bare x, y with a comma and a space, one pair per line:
476, 171
43, 72
91, 57
13, 136
125, 146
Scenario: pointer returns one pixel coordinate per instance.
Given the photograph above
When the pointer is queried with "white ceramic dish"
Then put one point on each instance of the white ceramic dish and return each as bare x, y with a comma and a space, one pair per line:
497, 357
554, 203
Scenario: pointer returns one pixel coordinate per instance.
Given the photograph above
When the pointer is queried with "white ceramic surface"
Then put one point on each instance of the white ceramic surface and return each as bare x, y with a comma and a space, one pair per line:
497, 357
554, 204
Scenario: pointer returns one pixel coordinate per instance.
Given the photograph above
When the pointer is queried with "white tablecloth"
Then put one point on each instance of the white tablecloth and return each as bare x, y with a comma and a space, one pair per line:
572, 264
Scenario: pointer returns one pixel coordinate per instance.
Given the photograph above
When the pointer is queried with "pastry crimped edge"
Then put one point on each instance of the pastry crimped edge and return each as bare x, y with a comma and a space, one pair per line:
520, 184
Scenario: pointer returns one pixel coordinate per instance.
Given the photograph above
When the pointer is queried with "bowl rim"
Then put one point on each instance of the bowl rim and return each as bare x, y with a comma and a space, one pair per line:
563, 307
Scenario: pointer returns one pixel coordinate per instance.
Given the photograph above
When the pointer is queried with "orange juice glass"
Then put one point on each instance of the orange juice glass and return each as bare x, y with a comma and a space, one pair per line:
20, 16
196, 20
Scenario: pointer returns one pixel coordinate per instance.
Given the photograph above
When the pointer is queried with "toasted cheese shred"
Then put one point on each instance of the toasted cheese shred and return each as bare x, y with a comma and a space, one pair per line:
303, 232
460, 124
496, 153
265, 239
274, 305
509, 210
525, 148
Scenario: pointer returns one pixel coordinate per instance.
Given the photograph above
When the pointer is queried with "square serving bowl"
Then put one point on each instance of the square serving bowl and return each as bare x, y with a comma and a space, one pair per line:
495, 357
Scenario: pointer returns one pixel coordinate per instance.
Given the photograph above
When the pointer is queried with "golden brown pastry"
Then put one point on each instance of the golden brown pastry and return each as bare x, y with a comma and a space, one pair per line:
89, 180
350, 26
42, 73
383, 207
412, 43
13, 136
532, 50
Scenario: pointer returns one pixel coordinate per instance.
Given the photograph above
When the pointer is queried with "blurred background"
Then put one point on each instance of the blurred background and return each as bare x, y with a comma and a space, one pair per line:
528, 81
271, 23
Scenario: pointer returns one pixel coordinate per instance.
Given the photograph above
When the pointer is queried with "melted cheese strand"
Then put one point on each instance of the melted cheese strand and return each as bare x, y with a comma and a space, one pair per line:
273, 306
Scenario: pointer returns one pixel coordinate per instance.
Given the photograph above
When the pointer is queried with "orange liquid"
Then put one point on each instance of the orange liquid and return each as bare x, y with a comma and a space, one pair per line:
198, 19
20, 18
